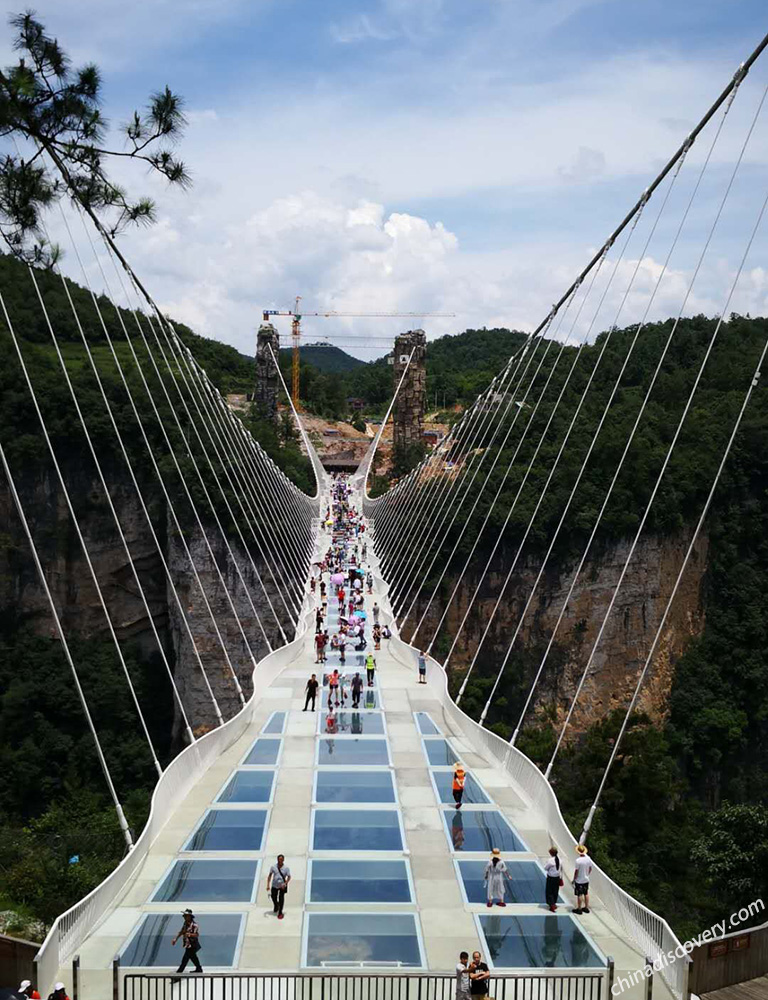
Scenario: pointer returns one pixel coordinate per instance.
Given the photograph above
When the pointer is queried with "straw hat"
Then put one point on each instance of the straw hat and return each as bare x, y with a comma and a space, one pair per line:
581, 849
459, 769
496, 852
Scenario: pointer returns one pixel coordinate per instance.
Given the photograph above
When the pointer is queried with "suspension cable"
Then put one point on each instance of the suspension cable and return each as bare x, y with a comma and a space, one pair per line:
724, 458
668, 455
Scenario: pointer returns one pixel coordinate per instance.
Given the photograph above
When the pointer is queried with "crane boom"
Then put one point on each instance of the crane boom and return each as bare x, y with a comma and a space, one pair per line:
296, 331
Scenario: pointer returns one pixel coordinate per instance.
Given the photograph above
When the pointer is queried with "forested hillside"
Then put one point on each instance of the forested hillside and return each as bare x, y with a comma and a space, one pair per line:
55, 804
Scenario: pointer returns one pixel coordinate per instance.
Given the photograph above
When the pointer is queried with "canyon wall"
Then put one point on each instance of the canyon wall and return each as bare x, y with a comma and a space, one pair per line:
626, 641
77, 601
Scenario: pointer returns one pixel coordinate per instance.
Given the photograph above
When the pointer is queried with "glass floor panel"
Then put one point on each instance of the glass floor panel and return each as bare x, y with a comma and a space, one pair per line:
264, 751
357, 830
480, 830
229, 830
276, 724
359, 882
369, 699
208, 882
354, 723
439, 752
537, 942
362, 939
525, 881
352, 751
473, 793
248, 786
426, 725
355, 786
150, 946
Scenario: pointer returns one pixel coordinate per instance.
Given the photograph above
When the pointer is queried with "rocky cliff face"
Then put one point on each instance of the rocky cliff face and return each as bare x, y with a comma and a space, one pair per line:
77, 602
625, 643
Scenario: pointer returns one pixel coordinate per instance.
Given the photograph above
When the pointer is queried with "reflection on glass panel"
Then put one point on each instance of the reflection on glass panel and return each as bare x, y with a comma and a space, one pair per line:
525, 881
473, 793
354, 723
359, 882
151, 945
355, 786
352, 751
248, 786
439, 752
537, 942
357, 830
481, 830
362, 939
208, 881
276, 724
264, 751
229, 830
426, 725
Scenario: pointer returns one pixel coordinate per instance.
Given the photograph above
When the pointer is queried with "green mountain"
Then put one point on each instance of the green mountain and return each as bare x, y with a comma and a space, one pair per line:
328, 359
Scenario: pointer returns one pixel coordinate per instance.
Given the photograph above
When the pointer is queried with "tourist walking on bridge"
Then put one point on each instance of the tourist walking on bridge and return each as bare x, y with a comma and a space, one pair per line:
581, 873
26, 989
554, 879
459, 778
495, 879
190, 935
422, 668
277, 884
311, 690
357, 690
370, 666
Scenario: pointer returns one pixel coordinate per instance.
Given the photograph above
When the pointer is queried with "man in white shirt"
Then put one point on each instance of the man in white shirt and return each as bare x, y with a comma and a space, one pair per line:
277, 883
581, 872
462, 977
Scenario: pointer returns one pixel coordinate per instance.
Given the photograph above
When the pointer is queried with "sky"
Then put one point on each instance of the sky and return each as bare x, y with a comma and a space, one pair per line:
434, 156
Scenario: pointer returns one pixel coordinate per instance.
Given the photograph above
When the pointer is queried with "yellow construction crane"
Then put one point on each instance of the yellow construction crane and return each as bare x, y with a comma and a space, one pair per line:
296, 317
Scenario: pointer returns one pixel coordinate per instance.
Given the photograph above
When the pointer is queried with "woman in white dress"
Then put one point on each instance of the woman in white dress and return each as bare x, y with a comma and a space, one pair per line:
495, 878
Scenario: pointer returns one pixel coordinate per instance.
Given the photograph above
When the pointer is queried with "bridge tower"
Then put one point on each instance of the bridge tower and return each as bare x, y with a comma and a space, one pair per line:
265, 395
409, 408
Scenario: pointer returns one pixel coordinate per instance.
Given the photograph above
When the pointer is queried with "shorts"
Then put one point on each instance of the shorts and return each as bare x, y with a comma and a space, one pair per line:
422, 671
581, 888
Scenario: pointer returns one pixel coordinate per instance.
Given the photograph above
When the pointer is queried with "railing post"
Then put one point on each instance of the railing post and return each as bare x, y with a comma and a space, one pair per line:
75, 977
611, 974
649, 979
116, 978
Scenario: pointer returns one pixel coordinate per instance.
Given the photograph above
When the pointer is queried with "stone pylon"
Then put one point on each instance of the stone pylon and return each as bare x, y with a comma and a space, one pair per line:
409, 408
267, 380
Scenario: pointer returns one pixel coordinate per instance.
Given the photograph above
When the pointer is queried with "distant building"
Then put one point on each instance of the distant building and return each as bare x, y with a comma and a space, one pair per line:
355, 404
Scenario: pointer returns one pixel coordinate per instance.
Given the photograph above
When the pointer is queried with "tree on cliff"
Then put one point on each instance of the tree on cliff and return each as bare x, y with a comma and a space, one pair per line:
53, 115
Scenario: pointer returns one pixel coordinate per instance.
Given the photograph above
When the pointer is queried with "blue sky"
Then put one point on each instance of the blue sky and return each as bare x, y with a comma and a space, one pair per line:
424, 154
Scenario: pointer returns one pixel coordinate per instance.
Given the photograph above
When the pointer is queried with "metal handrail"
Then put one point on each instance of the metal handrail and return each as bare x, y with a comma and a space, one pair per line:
353, 985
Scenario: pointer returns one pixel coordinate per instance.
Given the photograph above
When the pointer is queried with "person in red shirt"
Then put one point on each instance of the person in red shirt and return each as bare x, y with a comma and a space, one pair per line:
26, 989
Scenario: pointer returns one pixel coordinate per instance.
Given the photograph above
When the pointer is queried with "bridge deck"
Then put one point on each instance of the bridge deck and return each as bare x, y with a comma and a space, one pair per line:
436, 838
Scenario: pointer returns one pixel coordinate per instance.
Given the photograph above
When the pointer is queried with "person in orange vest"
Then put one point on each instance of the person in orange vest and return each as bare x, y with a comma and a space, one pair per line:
458, 785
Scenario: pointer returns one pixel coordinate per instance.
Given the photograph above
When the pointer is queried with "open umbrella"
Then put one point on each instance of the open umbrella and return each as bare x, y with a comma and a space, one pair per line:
337, 578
